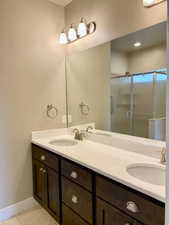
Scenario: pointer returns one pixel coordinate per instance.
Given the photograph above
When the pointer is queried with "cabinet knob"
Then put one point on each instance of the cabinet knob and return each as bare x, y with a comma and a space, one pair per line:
41, 169
44, 171
132, 207
74, 199
74, 175
43, 158
127, 224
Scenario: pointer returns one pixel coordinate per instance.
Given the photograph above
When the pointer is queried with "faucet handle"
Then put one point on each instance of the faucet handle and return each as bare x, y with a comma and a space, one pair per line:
89, 128
163, 156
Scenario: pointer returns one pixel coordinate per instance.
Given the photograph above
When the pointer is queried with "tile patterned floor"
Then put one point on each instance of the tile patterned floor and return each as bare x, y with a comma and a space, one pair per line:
37, 216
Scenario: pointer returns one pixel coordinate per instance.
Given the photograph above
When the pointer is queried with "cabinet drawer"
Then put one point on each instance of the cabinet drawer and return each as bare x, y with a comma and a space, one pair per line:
77, 199
45, 157
106, 215
71, 218
77, 174
131, 202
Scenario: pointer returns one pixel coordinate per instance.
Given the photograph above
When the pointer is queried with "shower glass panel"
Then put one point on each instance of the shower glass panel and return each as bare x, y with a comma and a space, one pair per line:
157, 125
121, 105
138, 104
160, 95
143, 104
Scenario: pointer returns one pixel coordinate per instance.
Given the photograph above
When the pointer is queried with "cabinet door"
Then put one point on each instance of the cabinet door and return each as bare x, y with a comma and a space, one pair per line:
52, 201
108, 215
46, 188
38, 182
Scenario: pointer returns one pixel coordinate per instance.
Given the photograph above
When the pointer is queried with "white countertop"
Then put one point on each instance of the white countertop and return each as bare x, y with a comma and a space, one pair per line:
106, 160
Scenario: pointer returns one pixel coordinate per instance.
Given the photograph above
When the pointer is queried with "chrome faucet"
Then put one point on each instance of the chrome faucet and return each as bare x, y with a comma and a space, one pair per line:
78, 134
163, 156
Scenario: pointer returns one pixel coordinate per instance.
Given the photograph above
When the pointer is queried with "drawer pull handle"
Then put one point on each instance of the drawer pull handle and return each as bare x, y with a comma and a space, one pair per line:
74, 199
43, 158
73, 175
132, 207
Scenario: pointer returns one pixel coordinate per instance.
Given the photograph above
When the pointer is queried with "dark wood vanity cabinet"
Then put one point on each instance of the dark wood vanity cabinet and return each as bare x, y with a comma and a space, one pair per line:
135, 204
75, 195
38, 182
77, 174
70, 217
108, 215
46, 184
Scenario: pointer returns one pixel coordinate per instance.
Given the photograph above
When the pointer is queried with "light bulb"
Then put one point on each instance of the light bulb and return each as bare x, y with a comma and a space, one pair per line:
82, 28
149, 2
72, 35
63, 38
137, 44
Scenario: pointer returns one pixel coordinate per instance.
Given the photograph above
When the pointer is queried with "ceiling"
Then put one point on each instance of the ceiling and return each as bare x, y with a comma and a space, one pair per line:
60, 2
149, 37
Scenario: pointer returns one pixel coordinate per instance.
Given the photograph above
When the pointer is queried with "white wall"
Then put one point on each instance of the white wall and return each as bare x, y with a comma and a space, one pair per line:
148, 59
31, 76
119, 62
139, 61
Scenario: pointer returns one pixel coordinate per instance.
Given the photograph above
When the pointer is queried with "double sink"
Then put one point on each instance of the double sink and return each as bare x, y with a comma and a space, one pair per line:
149, 173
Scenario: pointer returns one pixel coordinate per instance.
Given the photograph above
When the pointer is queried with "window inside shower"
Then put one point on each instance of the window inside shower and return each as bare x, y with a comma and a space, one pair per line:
138, 104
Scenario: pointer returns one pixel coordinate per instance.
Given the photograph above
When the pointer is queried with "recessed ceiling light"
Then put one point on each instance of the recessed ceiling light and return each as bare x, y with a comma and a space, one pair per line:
137, 44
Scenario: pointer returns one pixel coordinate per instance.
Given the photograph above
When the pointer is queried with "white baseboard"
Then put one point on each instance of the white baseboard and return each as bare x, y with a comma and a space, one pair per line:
19, 207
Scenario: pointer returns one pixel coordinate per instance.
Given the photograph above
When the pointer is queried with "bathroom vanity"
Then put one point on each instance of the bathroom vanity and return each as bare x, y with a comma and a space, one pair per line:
75, 194
115, 175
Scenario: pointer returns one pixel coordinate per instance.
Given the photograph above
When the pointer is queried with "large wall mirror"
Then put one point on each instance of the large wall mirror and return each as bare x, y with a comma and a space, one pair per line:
121, 85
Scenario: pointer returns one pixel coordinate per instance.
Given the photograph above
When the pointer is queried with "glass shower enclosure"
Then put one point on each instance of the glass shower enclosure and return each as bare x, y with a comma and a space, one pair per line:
138, 104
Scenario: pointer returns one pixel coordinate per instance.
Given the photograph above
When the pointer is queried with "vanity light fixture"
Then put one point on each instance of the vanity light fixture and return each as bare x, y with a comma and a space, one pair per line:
63, 38
73, 34
150, 3
137, 44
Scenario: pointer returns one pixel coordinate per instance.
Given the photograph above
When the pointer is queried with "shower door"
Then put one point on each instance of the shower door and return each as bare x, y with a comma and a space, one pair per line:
138, 104
121, 107
143, 101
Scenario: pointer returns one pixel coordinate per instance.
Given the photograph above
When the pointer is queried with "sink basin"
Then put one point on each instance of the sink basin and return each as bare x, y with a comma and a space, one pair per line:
63, 142
148, 173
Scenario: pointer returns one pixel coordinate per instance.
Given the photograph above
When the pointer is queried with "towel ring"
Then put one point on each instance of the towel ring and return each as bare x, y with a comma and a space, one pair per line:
51, 108
84, 108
